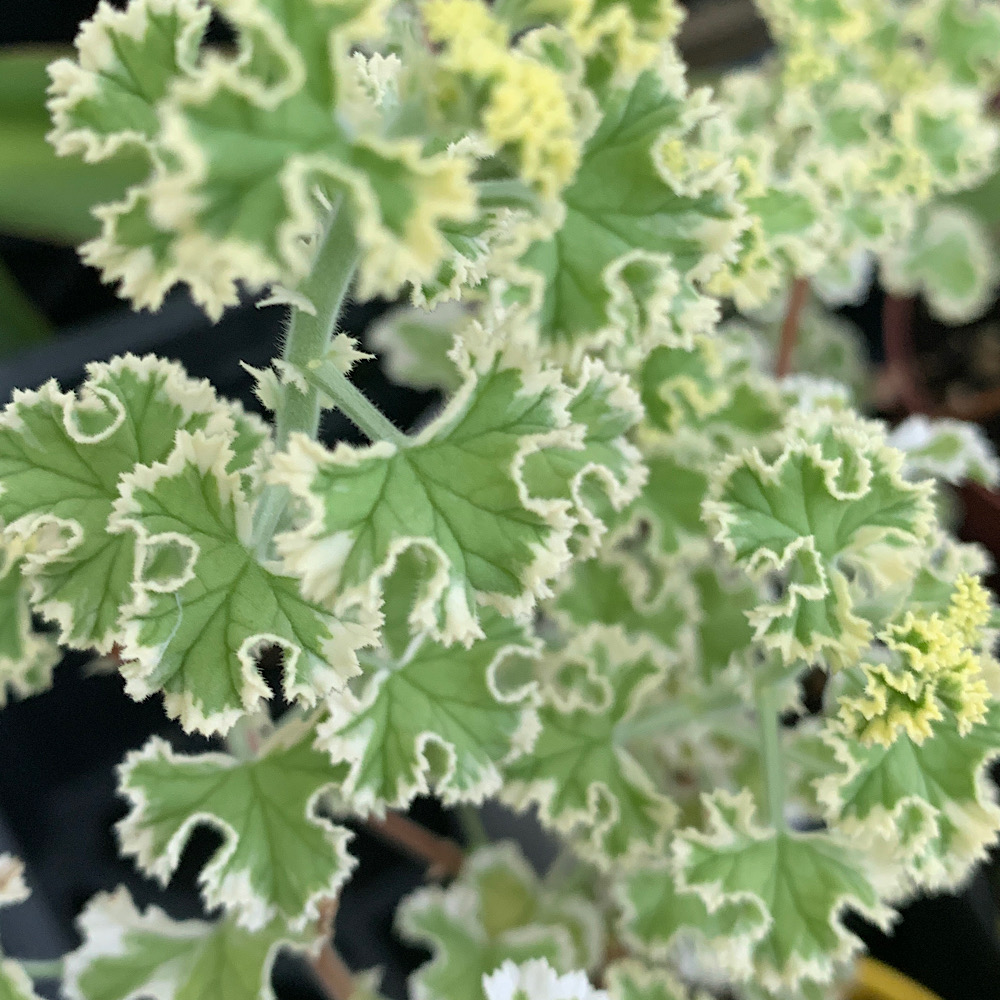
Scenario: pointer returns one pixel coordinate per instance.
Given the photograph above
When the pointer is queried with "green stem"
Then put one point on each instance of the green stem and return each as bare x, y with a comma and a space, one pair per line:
666, 718
306, 342
507, 194
474, 832
769, 725
23, 323
245, 738
353, 403
51, 968
309, 336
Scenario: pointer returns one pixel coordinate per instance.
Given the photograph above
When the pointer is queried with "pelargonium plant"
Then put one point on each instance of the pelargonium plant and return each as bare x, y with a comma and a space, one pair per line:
599, 581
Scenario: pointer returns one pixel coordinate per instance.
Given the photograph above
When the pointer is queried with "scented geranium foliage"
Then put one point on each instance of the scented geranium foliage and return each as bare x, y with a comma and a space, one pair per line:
599, 577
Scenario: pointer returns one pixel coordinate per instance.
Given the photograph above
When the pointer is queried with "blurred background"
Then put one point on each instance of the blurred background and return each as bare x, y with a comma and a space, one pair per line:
58, 750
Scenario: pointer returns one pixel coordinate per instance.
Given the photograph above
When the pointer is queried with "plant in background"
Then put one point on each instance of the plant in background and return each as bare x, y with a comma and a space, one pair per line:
595, 582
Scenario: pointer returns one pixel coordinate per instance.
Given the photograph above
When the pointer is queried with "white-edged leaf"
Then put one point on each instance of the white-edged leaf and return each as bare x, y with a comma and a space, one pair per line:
279, 857
205, 606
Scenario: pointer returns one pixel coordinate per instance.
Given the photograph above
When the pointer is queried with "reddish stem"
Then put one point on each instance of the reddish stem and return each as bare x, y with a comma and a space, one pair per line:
332, 973
444, 857
334, 976
897, 338
790, 327
977, 406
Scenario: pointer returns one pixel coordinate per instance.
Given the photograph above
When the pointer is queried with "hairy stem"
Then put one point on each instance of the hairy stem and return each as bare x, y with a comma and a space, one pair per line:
306, 342
353, 403
309, 336
790, 327
445, 858
769, 725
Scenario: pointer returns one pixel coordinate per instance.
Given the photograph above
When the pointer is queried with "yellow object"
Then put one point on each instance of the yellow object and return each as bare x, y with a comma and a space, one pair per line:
875, 981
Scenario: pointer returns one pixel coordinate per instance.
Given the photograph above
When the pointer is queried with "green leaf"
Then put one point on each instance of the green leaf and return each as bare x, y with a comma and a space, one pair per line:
631, 980
15, 983
709, 389
620, 38
606, 591
248, 152
950, 259
128, 955
414, 345
279, 858
61, 458
126, 61
951, 450
926, 809
205, 607
965, 37
800, 884
723, 631
670, 502
458, 492
607, 409
580, 775
496, 910
636, 230
27, 657
683, 385
833, 501
659, 919
433, 718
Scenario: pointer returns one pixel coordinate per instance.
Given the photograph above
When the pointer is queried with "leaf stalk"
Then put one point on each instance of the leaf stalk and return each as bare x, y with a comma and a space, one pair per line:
42, 969
663, 719
769, 726
353, 403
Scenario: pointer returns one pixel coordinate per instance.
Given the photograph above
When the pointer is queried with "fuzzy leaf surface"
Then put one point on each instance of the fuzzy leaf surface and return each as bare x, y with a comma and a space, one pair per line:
927, 803
632, 231
248, 150
833, 499
126, 63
